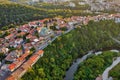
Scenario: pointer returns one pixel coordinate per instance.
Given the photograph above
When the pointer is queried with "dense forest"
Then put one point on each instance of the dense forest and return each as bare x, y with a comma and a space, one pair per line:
114, 73
60, 54
12, 13
95, 66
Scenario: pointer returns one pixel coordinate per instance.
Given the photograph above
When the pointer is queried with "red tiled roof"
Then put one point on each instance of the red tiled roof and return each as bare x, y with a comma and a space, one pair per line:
33, 58
9, 36
40, 52
21, 33
20, 58
12, 66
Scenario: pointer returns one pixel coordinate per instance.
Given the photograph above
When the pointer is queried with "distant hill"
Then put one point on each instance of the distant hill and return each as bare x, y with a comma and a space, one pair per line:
35, 1
12, 13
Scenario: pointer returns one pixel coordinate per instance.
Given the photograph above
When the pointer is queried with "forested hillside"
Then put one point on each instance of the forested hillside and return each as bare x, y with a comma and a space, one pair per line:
13, 13
60, 54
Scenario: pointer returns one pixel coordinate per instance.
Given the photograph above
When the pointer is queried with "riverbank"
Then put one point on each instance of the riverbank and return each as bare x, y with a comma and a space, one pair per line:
95, 65
74, 66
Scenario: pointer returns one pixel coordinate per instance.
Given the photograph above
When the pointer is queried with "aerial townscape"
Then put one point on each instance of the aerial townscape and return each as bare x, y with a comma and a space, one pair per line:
31, 38
59, 40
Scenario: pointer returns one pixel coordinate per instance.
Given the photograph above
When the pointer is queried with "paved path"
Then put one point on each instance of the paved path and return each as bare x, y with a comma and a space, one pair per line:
106, 72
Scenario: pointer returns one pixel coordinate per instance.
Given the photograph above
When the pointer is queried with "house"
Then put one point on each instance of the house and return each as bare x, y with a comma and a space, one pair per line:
19, 46
29, 36
12, 56
15, 65
28, 45
23, 56
33, 24
33, 59
1, 73
40, 52
18, 41
4, 50
5, 44
117, 19
32, 31
12, 67
39, 29
18, 61
11, 77
1, 40
36, 40
9, 36
17, 74
21, 34
25, 28
4, 67
45, 31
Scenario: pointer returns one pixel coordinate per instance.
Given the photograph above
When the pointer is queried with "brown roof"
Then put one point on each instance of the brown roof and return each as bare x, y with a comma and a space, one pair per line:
10, 78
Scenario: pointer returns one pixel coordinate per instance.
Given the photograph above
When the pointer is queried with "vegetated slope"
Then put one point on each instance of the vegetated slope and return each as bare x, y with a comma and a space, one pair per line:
95, 65
115, 72
59, 55
64, 9
12, 13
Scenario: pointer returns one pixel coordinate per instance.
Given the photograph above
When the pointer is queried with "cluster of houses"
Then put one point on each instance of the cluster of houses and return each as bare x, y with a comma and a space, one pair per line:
17, 74
18, 43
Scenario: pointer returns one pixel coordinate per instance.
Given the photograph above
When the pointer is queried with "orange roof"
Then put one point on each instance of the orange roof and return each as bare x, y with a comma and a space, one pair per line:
10, 78
24, 55
12, 66
40, 52
9, 36
20, 58
33, 58
22, 33
38, 28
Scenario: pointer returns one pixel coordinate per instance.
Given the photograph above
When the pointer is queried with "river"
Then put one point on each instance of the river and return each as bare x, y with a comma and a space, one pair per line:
73, 68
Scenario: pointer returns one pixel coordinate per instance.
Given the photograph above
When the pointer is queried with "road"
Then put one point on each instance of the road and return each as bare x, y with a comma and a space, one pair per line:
106, 72
45, 44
